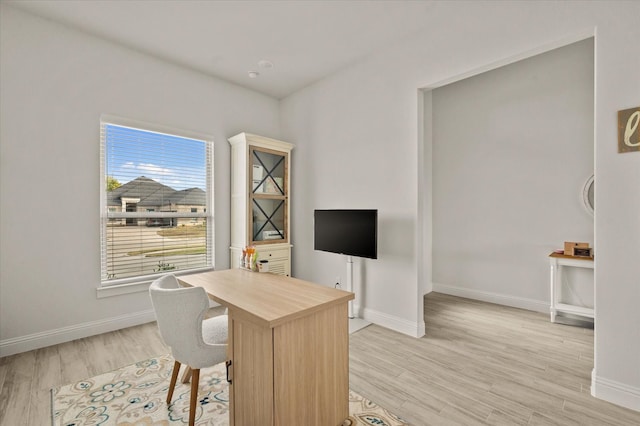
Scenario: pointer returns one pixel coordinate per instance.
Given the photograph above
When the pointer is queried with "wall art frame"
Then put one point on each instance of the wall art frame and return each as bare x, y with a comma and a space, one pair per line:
629, 130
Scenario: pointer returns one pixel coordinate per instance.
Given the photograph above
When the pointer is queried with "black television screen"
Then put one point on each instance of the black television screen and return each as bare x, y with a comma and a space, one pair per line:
349, 232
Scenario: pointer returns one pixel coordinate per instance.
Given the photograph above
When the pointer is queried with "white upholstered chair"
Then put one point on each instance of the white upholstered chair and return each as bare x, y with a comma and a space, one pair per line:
194, 341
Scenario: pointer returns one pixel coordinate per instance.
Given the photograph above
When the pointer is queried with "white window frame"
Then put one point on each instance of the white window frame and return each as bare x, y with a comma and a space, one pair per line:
140, 283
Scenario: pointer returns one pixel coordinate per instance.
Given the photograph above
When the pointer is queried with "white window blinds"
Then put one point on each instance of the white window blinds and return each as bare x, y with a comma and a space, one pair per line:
156, 202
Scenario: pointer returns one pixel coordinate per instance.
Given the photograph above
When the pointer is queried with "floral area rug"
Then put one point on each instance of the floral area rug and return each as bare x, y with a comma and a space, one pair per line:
136, 395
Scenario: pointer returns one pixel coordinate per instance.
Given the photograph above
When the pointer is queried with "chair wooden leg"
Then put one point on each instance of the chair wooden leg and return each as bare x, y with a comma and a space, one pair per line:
186, 376
195, 379
174, 378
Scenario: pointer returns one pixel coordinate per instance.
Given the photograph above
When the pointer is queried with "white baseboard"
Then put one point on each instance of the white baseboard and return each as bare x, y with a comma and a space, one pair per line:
499, 299
391, 322
66, 334
615, 392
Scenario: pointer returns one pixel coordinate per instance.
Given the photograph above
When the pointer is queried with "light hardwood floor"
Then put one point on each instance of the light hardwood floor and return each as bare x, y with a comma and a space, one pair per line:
481, 364
478, 364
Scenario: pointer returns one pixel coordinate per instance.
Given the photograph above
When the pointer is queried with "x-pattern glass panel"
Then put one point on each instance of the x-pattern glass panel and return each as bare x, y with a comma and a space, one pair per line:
268, 222
268, 173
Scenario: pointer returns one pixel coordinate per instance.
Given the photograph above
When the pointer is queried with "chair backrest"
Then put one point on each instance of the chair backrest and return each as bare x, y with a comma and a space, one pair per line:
180, 312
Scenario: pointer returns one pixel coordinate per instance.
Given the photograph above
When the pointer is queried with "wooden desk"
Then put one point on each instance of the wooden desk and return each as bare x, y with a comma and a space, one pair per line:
557, 261
289, 348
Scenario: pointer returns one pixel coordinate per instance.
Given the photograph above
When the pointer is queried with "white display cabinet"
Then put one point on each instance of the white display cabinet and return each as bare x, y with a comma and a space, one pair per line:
260, 170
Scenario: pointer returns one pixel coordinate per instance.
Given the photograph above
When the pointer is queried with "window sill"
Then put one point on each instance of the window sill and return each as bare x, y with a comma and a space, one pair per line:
135, 286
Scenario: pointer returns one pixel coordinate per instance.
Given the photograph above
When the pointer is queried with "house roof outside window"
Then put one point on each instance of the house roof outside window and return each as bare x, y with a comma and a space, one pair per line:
152, 193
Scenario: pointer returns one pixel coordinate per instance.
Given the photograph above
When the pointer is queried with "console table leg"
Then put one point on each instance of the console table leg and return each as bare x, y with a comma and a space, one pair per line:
552, 281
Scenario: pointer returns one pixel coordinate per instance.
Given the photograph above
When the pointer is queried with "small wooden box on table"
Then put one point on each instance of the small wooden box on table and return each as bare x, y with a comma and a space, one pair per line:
557, 262
288, 347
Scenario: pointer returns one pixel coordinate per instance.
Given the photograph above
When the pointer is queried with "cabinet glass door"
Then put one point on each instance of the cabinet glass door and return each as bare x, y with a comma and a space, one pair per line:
268, 195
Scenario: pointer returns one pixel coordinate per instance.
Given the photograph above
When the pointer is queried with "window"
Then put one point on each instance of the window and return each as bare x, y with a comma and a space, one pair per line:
156, 192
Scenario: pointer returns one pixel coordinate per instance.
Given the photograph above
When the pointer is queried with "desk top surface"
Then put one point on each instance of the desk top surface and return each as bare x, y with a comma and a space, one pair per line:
268, 299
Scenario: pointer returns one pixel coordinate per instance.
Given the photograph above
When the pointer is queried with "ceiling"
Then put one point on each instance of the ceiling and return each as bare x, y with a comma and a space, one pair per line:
303, 40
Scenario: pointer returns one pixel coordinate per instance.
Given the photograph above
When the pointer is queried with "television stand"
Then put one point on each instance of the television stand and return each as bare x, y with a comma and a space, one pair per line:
355, 323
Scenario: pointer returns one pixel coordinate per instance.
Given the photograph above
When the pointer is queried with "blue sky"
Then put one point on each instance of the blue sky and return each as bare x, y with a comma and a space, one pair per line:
171, 160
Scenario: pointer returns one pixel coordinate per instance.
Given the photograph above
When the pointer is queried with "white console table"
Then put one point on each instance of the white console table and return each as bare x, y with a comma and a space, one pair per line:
558, 261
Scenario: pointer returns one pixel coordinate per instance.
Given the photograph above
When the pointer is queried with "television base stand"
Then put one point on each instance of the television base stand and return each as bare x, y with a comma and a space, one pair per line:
356, 324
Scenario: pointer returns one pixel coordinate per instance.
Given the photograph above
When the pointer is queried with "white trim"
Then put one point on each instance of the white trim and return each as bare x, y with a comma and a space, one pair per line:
499, 299
391, 322
139, 284
615, 392
66, 334
421, 331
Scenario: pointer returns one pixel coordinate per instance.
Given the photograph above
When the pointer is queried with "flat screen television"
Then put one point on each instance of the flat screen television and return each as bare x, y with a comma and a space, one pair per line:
348, 232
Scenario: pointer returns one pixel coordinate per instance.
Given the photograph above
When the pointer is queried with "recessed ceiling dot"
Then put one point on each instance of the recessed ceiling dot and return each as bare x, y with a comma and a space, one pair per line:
253, 74
265, 64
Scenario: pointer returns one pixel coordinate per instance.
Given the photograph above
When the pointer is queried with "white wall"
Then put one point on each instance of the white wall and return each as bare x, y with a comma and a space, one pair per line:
357, 145
351, 154
617, 339
56, 82
512, 149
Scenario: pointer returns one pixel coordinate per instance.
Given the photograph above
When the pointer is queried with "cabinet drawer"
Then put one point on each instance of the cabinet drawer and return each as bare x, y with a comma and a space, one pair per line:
276, 254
